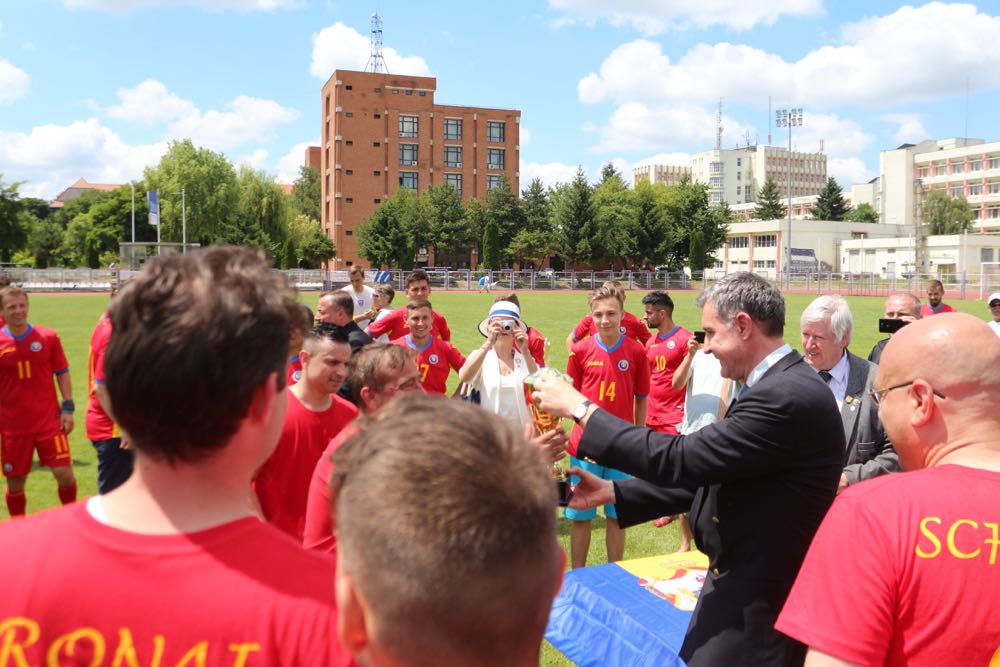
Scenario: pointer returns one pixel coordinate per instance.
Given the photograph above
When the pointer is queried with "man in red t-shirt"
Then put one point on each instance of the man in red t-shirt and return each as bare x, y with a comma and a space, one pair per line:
918, 582
664, 352
378, 374
173, 567
934, 305
435, 357
610, 369
394, 325
315, 415
630, 325
31, 418
114, 462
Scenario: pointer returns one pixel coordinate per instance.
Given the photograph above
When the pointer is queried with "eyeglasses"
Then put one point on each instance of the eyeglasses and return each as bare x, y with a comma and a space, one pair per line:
877, 394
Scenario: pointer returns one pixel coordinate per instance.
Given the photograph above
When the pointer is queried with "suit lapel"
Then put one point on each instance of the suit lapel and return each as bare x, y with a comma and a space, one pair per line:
857, 376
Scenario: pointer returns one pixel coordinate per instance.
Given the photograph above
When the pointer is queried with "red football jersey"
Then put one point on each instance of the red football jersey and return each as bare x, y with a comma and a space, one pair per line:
609, 376
536, 346
282, 483
631, 326
318, 533
28, 401
294, 370
99, 425
665, 408
394, 324
240, 593
434, 359
927, 311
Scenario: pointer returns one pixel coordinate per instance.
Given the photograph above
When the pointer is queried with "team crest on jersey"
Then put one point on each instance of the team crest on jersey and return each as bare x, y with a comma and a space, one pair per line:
622, 329
296, 376
623, 365
671, 344
35, 346
8, 467
433, 358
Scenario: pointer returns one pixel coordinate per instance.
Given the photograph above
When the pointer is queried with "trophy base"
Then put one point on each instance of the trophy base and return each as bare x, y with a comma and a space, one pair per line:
564, 492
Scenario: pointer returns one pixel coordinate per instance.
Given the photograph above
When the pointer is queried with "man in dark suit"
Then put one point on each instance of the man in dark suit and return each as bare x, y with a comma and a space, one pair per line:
827, 325
757, 483
337, 308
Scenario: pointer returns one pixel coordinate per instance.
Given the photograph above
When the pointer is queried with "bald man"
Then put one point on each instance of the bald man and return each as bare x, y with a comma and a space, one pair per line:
920, 582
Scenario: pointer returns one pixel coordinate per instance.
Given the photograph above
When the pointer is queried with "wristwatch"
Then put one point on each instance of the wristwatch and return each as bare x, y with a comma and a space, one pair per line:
580, 411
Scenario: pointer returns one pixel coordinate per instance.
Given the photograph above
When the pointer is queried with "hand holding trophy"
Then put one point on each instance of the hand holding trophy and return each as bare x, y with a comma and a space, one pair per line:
546, 421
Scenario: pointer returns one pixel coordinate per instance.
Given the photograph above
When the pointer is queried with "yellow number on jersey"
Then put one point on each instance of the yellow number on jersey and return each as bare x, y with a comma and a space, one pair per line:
661, 363
423, 371
606, 391
24, 370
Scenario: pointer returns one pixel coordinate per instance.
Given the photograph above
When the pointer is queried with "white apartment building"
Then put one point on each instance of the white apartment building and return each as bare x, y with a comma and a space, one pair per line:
667, 174
968, 168
946, 255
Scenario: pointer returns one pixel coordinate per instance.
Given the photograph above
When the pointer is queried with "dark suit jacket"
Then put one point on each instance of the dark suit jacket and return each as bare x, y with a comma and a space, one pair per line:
869, 452
875, 356
357, 339
757, 483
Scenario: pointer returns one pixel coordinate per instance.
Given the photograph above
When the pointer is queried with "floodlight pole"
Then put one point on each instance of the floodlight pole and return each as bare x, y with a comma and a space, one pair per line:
184, 228
133, 211
789, 118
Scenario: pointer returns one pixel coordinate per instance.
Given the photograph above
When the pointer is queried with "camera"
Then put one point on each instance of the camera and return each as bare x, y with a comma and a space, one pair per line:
700, 337
507, 326
890, 326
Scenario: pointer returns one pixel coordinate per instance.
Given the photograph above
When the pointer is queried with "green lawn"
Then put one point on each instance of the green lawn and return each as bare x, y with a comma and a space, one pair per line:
552, 313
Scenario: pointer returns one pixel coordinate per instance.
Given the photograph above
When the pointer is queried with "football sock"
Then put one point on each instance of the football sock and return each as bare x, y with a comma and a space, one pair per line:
16, 503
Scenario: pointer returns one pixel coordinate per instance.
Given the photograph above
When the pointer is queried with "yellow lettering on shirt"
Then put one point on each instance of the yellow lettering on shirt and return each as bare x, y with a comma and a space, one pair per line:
987, 534
951, 539
65, 646
243, 651
993, 540
126, 656
931, 537
13, 643
595, 363
197, 656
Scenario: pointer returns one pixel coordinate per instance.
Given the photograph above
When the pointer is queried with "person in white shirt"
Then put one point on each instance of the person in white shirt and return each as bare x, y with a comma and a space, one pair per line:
364, 296
994, 302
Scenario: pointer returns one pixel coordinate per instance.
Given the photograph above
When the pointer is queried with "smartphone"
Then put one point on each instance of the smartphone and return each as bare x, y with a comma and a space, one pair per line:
700, 337
890, 326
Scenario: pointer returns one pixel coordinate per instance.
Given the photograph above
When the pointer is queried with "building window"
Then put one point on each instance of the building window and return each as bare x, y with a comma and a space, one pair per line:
976, 165
957, 167
738, 242
739, 176
348, 232
350, 172
409, 92
408, 179
349, 87
408, 126
716, 197
349, 114
957, 191
719, 265
395, 91
453, 129
739, 162
739, 190
378, 115
715, 167
495, 131
423, 93
986, 254
995, 163
408, 155
492, 181
994, 188
975, 189
376, 173
770, 263
377, 200
377, 89
455, 181
765, 241
453, 156
940, 170
758, 264
350, 200
349, 142
715, 181
494, 158
375, 144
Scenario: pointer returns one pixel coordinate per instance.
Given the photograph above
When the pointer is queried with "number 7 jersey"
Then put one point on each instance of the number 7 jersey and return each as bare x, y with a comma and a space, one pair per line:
609, 376
28, 401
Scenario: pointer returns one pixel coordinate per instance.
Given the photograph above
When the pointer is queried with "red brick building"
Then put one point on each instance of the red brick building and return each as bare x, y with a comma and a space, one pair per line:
382, 132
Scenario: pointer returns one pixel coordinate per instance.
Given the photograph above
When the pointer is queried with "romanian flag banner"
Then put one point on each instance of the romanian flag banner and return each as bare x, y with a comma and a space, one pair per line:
632, 612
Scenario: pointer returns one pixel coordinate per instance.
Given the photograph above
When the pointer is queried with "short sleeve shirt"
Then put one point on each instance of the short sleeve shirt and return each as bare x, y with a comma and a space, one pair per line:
28, 401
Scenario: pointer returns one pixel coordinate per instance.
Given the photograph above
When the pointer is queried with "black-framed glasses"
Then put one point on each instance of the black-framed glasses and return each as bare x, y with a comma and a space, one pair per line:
877, 394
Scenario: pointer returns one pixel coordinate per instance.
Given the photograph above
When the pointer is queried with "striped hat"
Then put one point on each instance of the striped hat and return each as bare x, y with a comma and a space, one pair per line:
502, 309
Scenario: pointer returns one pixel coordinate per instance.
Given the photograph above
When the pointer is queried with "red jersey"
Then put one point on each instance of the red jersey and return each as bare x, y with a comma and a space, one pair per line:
282, 483
294, 370
631, 326
28, 401
665, 408
926, 310
237, 594
536, 346
903, 571
434, 359
318, 533
99, 425
394, 324
609, 376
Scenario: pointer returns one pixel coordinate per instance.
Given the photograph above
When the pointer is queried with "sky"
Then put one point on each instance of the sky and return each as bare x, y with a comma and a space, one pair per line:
97, 88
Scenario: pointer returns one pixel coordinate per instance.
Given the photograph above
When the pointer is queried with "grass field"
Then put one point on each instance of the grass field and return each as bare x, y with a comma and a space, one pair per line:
554, 314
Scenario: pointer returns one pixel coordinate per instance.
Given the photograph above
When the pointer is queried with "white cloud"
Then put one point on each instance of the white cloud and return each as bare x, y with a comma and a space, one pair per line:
911, 130
637, 127
841, 137
654, 16
913, 54
290, 163
149, 103
341, 47
848, 171
673, 159
249, 119
550, 173
209, 5
13, 83
525, 135
254, 160
51, 157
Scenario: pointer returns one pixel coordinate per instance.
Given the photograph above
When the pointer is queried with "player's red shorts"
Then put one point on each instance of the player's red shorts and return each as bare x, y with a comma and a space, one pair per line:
16, 451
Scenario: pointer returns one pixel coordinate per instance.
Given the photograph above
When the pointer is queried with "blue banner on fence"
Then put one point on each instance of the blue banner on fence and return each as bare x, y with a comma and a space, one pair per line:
154, 207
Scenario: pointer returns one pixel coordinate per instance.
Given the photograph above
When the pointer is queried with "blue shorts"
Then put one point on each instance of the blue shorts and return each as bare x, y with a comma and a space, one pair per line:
603, 473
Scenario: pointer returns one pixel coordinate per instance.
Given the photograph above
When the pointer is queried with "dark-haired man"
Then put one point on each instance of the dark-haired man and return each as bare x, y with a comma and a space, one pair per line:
435, 357
337, 309
664, 352
196, 375
935, 305
418, 286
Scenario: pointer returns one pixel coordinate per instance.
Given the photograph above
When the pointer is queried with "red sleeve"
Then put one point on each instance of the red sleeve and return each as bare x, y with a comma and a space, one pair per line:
384, 325
536, 346
444, 333
639, 329
574, 370
822, 609
642, 371
582, 329
98, 361
455, 357
59, 362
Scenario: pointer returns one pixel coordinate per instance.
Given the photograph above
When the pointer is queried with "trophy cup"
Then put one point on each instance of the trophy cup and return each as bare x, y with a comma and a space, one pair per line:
546, 421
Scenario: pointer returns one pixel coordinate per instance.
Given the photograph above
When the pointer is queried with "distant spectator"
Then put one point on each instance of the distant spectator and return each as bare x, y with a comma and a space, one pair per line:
384, 294
934, 305
994, 302
302, 322
418, 286
364, 296
631, 325
900, 306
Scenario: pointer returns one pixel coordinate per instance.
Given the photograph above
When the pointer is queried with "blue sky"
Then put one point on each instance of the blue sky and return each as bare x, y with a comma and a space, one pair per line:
95, 88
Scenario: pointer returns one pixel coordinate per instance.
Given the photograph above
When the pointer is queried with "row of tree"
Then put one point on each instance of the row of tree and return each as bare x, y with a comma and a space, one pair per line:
224, 204
575, 223
830, 204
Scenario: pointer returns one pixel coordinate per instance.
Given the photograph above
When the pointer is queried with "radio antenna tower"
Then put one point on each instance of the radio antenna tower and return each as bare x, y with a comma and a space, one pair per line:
376, 63
718, 127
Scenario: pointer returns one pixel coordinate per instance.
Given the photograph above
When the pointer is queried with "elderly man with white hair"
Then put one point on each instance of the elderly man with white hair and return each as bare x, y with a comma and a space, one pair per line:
826, 332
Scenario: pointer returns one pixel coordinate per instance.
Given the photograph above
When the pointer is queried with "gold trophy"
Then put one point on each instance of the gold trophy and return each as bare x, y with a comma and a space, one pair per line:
546, 421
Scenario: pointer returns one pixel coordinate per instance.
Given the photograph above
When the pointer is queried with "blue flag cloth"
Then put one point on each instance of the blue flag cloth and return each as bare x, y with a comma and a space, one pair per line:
153, 198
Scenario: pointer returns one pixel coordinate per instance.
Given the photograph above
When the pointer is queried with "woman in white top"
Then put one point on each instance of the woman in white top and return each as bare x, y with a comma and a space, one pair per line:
498, 368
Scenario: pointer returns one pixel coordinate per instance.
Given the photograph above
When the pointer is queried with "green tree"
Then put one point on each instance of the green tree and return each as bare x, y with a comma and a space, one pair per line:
616, 222
449, 231
262, 215
491, 245
830, 204
289, 258
475, 222
45, 238
769, 206
946, 215
212, 193
649, 221
863, 212
503, 208
536, 207
609, 172
574, 217
316, 248
307, 193
300, 226
531, 247
13, 233
685, 209
36, 206
385, 237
